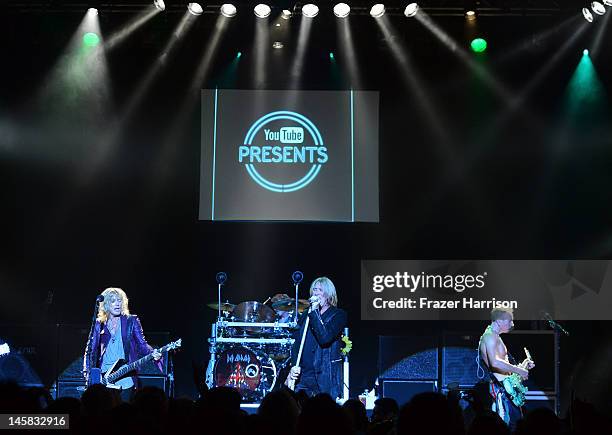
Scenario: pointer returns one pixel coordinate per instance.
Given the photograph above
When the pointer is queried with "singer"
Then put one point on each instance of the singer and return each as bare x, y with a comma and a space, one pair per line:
117, 335
320, 368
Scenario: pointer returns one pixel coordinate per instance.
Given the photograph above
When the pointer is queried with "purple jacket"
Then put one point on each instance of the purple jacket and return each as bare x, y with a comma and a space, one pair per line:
135, 345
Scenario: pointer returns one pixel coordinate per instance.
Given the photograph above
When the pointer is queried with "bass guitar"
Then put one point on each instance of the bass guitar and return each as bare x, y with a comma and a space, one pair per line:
119, 369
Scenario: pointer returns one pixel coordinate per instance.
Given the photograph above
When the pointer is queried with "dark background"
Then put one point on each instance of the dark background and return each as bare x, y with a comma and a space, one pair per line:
539, 187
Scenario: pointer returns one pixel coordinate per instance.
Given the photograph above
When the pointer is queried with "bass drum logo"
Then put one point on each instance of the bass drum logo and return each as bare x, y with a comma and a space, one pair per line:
283, 140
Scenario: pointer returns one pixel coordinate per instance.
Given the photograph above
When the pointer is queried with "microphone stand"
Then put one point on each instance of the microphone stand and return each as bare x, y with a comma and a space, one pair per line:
297, 278
89, 337
221, 277
219, 301
558, 329
295, 313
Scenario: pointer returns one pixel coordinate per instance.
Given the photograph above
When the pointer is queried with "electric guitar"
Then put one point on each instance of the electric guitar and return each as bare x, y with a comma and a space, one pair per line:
119, 370
514, 384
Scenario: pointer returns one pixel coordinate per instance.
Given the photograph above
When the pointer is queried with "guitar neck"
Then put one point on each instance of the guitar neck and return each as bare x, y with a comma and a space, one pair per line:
133, 366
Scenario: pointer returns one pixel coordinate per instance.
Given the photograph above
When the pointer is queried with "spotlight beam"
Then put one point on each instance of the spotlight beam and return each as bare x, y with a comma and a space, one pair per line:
209, 53
302, 45
599, 36
119, 36
452, 160
350, 55
416, 86
510, 55
480, 148
260, 51
110, 139
463, 55
160, 64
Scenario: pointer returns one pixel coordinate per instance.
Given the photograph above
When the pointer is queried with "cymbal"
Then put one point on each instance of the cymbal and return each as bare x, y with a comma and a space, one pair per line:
288, 304
225, 306
253, 311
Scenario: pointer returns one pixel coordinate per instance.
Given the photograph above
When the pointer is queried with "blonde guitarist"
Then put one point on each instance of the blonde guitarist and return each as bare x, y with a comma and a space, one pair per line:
316, 355
117, 335
505, 378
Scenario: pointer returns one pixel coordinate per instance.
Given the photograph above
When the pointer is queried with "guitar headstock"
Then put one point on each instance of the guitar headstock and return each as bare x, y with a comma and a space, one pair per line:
174, 345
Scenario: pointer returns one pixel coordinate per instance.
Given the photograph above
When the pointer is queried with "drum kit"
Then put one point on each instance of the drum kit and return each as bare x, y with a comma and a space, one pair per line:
251, 342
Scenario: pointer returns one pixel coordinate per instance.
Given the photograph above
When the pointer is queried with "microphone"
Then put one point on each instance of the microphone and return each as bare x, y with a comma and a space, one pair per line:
554, 325
297, 277
313, 300
221, 278
99, 298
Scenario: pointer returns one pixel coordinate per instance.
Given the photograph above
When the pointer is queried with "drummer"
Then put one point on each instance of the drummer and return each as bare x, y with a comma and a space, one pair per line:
320, 369
283, 315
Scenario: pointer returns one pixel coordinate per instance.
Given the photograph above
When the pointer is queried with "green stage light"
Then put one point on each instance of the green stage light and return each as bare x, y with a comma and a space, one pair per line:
585, 52
90, 39
238, 54
478, 45
331, 55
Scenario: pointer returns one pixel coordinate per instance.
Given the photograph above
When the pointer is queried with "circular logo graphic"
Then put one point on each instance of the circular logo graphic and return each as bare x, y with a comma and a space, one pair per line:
289, 138
251, 371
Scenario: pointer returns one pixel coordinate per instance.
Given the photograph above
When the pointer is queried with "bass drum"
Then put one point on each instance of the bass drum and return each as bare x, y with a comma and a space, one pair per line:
253, 373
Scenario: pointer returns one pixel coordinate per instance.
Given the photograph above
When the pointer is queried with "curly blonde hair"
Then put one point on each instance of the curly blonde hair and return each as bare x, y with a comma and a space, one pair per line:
104, 308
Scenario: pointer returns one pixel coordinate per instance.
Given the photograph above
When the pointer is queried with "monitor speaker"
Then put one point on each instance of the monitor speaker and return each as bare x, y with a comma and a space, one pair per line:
160, 382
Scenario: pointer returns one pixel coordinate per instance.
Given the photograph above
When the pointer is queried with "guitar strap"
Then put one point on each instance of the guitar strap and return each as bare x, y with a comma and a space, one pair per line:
127, 342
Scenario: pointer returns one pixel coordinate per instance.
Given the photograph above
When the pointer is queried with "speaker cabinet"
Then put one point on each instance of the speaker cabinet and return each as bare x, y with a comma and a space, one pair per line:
408, 357
72, 388
459, 353
75, 388
404, 390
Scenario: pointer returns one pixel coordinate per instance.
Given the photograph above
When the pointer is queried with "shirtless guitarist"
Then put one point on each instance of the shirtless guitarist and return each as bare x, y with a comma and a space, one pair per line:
505, 377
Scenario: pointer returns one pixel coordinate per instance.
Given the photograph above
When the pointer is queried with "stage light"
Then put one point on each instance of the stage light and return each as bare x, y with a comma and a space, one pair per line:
411, 10
470, 15
91, 39
159, 4
277, 45
262, 10
341, 10
378, 10
92, 11
310, 10
331, 55
478, 45
598, 8
238, 54
585, 52
286, 14
195, 9
228, 10
587, 15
